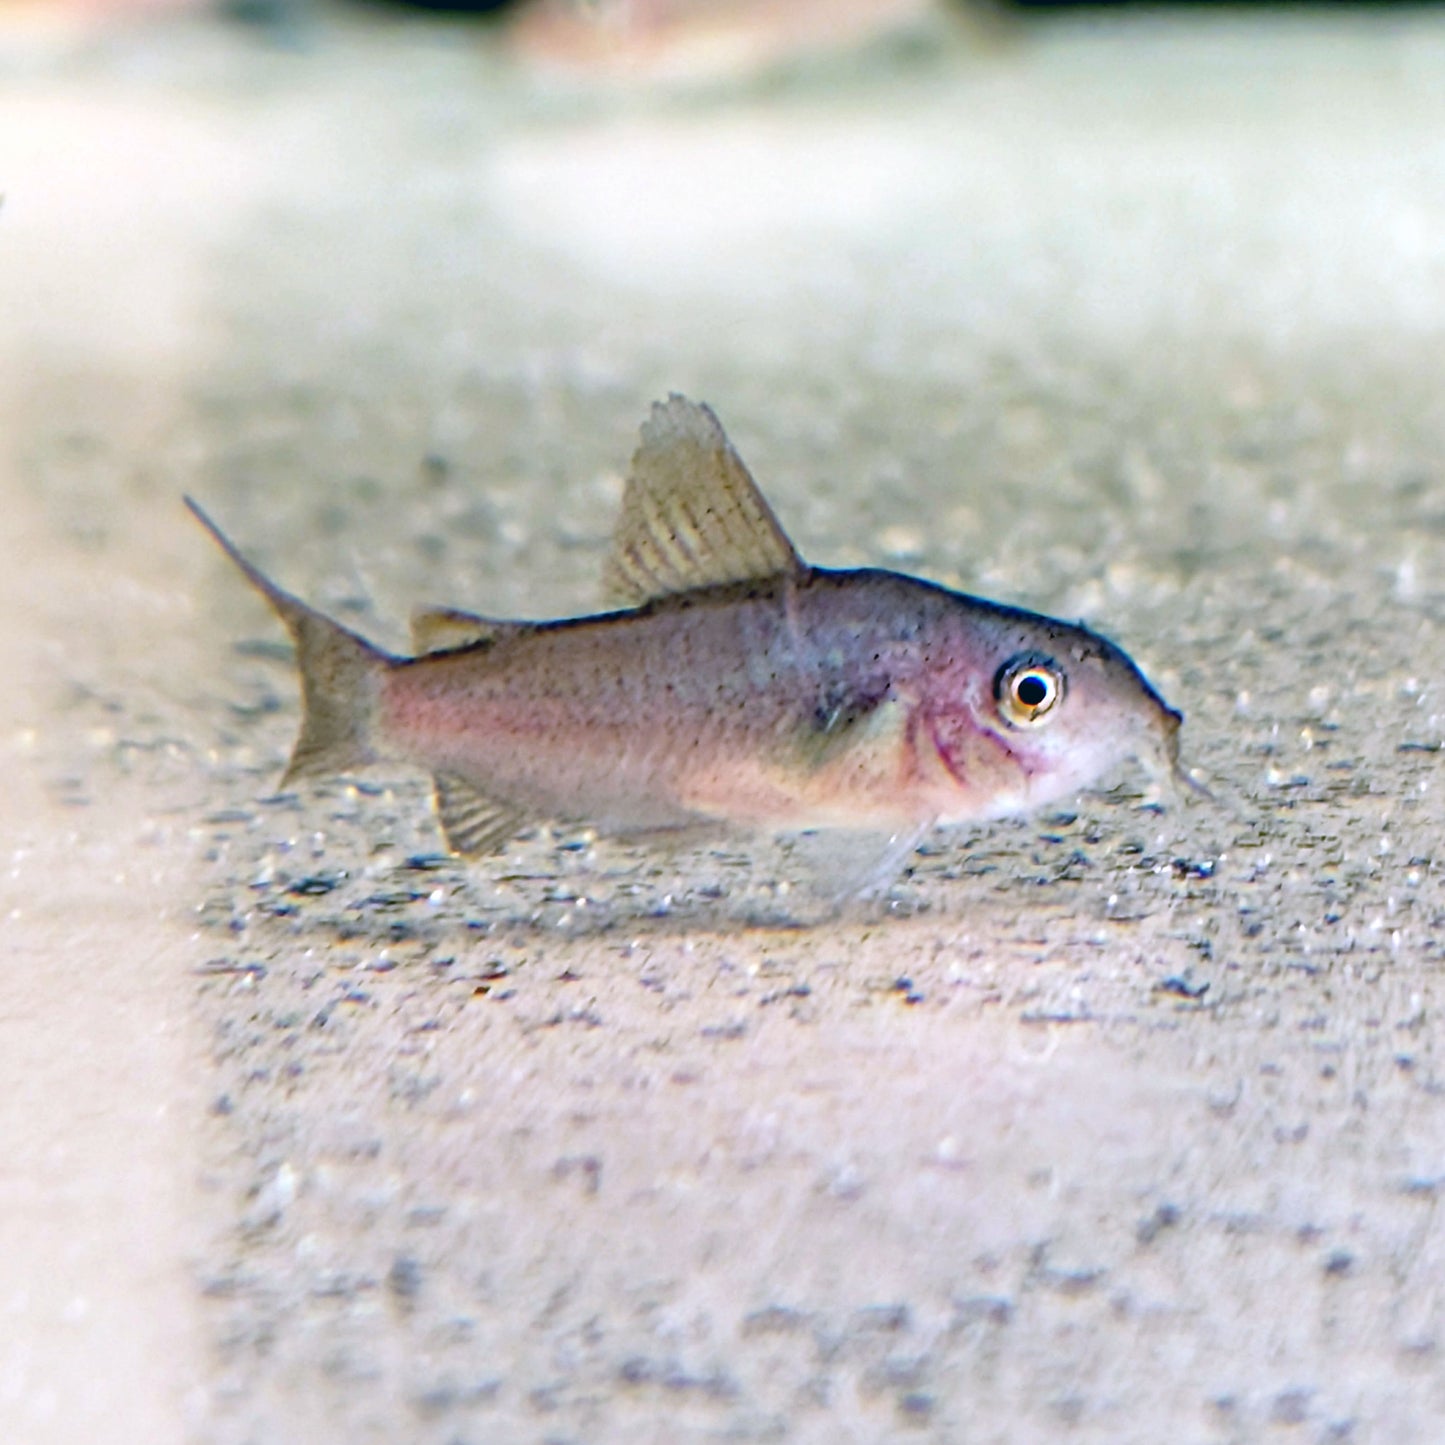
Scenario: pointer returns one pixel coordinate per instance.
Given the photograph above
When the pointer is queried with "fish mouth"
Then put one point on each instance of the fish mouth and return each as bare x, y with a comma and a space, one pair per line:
1161, 756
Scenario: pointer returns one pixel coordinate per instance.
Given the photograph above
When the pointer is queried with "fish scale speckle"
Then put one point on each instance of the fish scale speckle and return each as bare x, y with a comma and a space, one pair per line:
734, 685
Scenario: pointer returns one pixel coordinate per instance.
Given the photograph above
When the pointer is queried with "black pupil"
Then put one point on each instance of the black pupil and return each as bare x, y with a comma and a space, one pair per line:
1031, 689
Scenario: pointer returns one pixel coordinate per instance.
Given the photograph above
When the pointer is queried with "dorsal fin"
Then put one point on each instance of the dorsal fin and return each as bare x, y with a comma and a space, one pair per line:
473, 823
692, 516
444, 629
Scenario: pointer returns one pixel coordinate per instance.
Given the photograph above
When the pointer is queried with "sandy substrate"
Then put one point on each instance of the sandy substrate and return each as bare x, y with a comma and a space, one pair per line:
1113, 1125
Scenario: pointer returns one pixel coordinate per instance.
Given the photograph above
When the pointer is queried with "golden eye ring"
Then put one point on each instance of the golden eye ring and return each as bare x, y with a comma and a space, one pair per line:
1029, 689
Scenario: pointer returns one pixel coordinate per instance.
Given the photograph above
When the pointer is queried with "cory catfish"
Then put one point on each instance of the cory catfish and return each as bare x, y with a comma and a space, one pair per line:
734, 684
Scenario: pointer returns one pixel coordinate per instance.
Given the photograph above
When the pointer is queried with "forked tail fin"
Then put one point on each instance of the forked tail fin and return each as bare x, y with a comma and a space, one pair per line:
340, 677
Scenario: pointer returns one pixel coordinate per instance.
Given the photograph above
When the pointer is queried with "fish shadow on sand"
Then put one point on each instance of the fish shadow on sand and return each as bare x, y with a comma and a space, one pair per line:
374, 876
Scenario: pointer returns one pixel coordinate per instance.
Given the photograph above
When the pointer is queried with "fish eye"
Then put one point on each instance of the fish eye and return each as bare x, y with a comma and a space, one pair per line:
1028, 688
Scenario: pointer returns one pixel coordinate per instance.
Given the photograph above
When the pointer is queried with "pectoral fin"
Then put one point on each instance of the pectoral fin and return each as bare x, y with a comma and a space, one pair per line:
473, 823
846, 867
691, 516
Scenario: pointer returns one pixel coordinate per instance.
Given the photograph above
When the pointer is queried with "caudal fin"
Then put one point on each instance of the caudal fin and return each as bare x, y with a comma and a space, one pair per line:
340, 677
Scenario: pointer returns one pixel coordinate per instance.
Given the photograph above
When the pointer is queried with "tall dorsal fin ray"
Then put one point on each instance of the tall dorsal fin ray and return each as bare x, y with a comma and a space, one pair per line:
472, 822
692, 516
444, 629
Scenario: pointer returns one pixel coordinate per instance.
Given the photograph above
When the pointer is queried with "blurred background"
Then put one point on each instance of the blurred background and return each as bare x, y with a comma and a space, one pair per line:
1115, 1125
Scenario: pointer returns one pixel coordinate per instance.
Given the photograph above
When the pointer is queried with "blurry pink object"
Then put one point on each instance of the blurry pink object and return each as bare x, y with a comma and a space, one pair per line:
672, 41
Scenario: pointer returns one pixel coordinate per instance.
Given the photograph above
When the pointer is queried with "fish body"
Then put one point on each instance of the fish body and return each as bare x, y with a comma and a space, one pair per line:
739, 686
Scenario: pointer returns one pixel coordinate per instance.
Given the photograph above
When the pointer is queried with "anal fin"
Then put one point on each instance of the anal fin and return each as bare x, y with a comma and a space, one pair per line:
472, 823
